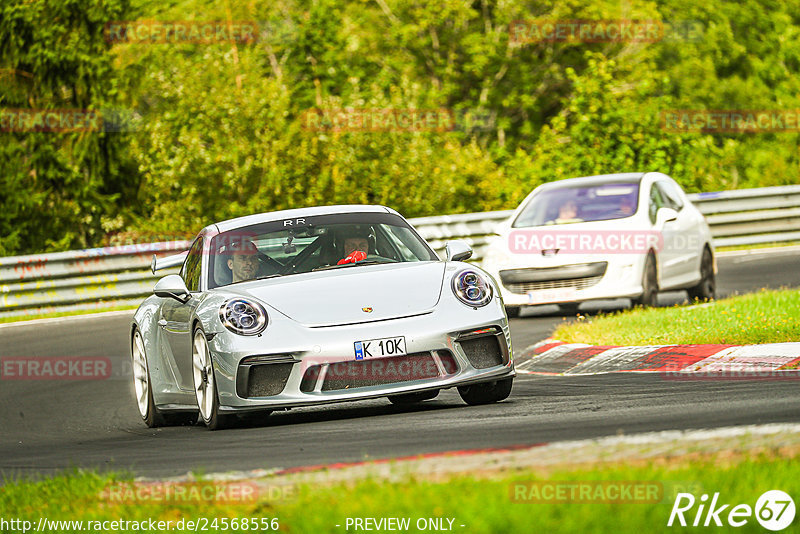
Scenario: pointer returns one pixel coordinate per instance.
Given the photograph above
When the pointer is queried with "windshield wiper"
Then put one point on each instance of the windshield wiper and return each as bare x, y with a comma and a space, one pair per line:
362, 262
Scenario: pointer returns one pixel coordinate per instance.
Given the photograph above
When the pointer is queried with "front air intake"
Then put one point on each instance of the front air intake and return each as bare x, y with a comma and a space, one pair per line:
263, 380
483, 352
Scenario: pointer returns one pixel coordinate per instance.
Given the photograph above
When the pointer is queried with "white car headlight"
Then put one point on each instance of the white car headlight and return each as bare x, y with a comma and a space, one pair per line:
243, 317
472, 289
496, 254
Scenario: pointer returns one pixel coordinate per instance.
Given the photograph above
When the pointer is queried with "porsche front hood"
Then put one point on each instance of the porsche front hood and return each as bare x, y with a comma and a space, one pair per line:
350, 295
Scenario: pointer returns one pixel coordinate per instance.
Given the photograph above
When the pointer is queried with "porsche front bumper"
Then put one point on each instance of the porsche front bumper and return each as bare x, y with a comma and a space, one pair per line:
295, 365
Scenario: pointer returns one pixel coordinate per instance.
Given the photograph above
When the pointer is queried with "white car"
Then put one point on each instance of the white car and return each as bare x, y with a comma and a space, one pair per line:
313, 306
602, 237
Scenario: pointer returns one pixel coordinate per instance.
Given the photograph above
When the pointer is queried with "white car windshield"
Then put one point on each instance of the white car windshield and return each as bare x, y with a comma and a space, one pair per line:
565, 205
315, 243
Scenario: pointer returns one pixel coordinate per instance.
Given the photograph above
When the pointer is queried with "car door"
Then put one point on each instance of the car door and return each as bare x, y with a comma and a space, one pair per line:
175, 317
667, 256
686, 246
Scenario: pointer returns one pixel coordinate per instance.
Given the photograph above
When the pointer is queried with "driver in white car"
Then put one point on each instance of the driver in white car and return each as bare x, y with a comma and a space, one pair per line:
354, 245
243, 261
567, 213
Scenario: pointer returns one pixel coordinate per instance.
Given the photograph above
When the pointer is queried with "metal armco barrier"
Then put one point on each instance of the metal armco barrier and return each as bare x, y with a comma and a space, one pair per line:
63, 281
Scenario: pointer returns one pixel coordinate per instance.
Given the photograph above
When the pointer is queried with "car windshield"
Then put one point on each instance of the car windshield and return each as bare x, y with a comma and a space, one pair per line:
566, 205
301, 245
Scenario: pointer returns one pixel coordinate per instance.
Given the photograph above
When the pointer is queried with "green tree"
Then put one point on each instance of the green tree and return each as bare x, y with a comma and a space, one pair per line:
58, 188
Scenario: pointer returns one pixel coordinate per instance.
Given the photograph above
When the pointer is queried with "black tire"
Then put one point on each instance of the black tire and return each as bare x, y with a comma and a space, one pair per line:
649, 296
512, 312
569, 308
486, 392
215, 419
413, 398
707, 288
218, 421
154, 417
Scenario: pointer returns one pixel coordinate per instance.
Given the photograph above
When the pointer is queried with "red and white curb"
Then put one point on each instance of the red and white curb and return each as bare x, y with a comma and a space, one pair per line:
553, 357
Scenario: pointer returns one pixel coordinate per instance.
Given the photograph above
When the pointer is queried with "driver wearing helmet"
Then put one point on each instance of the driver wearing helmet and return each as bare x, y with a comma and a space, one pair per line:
354, 244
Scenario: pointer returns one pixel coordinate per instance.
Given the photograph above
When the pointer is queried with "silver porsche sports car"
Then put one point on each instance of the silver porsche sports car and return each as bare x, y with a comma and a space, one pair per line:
312, 306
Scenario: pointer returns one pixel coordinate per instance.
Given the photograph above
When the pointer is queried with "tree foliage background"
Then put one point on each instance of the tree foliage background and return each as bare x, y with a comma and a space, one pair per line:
214, 131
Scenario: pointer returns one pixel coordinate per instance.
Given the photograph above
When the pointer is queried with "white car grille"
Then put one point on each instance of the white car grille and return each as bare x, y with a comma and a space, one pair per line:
522, 288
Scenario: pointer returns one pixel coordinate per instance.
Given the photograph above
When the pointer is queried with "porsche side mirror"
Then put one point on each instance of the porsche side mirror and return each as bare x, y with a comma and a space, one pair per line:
172, 286
458, 250
666, 215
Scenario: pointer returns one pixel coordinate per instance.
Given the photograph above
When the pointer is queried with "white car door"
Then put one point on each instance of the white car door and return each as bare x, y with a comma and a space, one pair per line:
175, 317
668, 256
686, 246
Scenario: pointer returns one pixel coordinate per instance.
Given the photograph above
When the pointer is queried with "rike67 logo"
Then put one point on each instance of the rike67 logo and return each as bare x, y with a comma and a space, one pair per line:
774, 510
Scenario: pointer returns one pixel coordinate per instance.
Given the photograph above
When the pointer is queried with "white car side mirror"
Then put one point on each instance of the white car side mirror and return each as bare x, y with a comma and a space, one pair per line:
458, 250
666, 215
172, 286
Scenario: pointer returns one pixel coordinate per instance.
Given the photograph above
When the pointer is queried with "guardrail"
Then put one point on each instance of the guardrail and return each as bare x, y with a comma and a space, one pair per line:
74, 280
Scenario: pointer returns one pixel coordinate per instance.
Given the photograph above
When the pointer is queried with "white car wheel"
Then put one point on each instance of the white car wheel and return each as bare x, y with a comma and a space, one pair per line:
205, 386
141, 378
143, 390
203, 375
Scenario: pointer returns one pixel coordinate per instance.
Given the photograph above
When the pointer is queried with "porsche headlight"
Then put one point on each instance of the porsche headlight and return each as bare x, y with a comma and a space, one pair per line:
243, 317
472, 289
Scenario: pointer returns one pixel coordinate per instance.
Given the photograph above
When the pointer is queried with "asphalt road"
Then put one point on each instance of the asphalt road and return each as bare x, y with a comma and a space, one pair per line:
48, 426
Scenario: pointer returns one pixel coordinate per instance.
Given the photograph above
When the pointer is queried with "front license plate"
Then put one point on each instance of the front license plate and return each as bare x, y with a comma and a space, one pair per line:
380, 348
545, 296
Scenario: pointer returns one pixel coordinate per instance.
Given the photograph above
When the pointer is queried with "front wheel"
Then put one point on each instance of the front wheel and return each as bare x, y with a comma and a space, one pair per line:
512, 311
487, 392
205, 386
143, 389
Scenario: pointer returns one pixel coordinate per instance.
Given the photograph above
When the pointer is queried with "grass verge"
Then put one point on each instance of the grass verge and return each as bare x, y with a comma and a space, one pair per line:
762, 317
479, 504
756, 246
